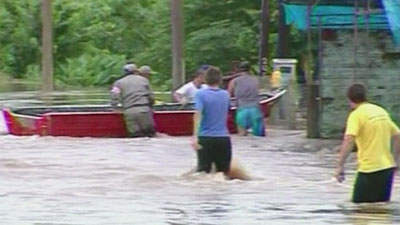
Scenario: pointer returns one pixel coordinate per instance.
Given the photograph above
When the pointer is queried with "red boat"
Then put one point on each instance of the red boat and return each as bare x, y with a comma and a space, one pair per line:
102, 121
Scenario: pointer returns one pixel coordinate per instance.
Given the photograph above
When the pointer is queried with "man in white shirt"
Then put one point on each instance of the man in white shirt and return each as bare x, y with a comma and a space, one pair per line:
186, 93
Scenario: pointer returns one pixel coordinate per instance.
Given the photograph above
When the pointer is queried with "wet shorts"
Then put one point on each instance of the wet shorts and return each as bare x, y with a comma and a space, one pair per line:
251, 117
215, 150
373, 187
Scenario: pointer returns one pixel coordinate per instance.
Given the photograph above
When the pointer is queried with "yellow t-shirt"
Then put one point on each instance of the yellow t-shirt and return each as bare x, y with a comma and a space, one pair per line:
276, 79
373, 130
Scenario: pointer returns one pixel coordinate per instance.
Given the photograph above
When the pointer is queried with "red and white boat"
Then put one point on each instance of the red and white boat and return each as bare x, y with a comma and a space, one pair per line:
102, 121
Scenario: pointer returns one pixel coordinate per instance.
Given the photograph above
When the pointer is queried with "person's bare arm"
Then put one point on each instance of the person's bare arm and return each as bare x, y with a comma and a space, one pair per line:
115, 97
196, 126
396, 148
231, 88
178, 97
345, 149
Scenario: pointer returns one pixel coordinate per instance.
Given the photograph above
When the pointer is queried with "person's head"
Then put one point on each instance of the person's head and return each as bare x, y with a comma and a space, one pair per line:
199, 76
145, 71
357, 93
213, 76
244, 66
130, 68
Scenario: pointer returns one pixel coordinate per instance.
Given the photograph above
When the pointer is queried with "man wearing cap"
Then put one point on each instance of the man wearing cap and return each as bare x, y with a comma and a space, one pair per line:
145, 71
245, 89
186, 93
133, 94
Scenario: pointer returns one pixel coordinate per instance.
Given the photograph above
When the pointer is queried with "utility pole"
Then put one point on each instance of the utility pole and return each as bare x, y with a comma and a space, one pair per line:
47, 47
264, 37
178, 62
283, 30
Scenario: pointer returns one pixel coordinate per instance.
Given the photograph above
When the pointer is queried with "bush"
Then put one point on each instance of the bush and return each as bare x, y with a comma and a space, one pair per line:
90, 69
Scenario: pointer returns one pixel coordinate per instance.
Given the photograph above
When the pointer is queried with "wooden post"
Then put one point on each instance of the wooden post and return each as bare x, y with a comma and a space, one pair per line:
178, 63
47, 47
355, 42
290, 104
314, 101
283, 49
310, 60
264, 37
313, 116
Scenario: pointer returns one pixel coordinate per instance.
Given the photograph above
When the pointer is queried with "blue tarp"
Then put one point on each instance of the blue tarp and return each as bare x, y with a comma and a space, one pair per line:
332, 17
392, 9
342, 17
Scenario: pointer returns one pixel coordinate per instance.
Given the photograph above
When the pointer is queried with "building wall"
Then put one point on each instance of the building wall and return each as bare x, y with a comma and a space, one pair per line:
378, 68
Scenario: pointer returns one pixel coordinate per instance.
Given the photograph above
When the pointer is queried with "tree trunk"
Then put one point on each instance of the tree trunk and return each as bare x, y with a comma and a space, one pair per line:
178, 63
283, 30
47, 47
264, 37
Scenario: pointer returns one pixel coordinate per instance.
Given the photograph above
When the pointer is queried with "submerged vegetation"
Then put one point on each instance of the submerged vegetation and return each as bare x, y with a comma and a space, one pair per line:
93, 39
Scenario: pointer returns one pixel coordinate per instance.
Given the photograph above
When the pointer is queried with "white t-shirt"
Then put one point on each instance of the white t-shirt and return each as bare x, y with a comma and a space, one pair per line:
188, 90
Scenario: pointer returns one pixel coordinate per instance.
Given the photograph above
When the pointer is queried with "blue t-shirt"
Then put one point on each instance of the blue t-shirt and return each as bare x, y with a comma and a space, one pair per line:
214, 106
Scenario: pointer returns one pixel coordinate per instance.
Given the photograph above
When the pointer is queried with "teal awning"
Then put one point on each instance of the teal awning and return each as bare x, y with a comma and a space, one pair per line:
392, 9
332, 17
342, 17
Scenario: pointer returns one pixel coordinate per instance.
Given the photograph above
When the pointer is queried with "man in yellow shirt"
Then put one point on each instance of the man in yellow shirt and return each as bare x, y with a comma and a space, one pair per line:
371, 127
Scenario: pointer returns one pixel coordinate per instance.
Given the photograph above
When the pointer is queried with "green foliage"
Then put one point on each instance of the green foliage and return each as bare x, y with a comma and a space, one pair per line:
90, 69
19, 36
93, 39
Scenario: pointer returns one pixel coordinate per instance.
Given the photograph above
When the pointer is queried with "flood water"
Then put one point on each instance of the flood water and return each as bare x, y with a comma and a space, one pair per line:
96, 181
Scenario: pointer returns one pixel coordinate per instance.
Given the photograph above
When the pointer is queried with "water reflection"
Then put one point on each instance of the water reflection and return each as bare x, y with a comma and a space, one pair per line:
379, 214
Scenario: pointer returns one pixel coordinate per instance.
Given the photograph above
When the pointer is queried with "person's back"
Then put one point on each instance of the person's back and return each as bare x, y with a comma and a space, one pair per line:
246, 90
135, 92
373, 133
215, 105
210, 134
248, 114
136, 98
371, 127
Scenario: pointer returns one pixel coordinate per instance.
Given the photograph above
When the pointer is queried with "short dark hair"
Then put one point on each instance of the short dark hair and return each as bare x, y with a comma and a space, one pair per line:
357, 93
213, 76
197, 74
200, 71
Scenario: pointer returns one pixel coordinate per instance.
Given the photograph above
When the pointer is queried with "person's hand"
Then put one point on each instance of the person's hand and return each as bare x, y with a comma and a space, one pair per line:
195, 144
184, 101
339, 174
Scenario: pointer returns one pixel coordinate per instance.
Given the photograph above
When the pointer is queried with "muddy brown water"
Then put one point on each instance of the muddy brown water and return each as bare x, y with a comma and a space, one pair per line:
93, 181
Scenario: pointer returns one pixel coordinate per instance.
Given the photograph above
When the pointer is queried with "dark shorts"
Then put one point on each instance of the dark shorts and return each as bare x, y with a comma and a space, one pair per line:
373, 187
215, 150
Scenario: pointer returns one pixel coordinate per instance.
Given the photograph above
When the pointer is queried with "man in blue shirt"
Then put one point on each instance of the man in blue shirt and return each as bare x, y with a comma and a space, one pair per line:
211, 137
